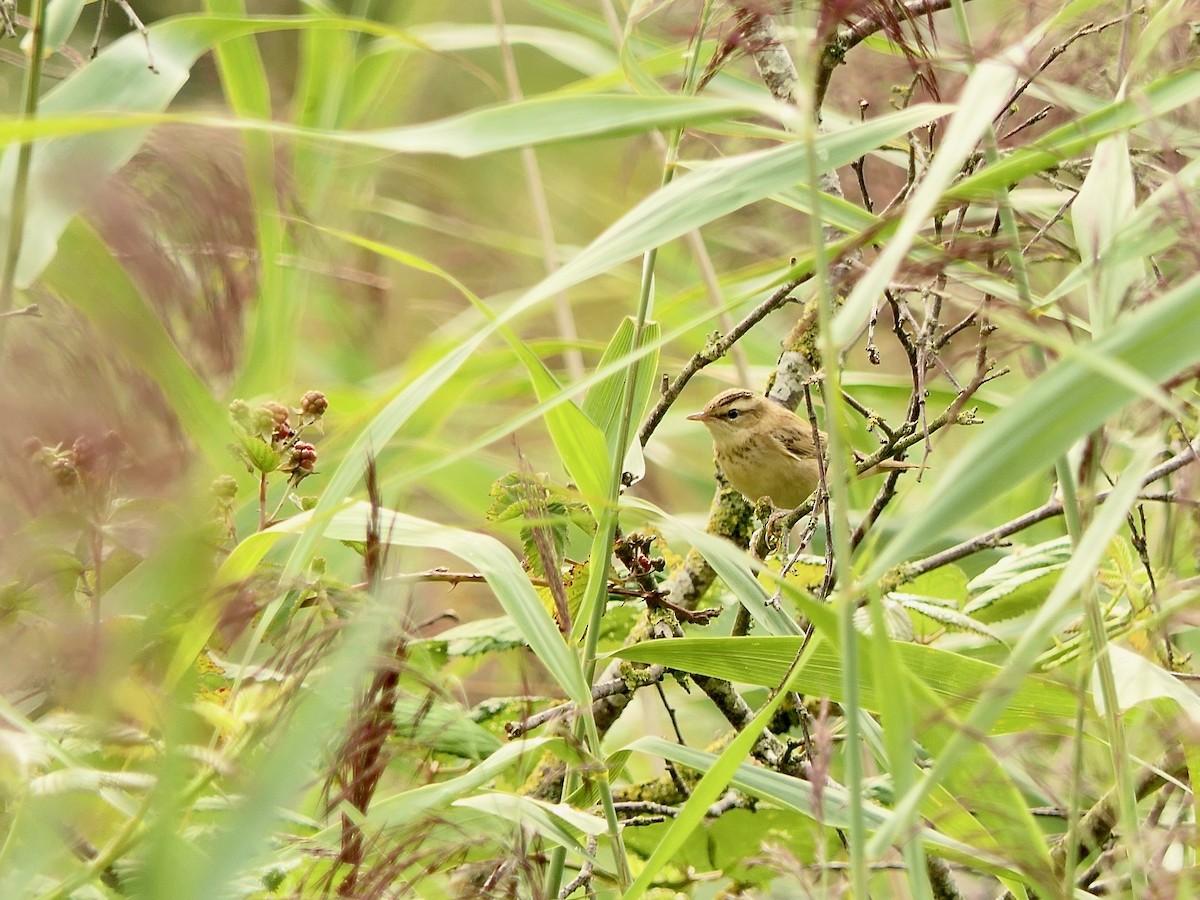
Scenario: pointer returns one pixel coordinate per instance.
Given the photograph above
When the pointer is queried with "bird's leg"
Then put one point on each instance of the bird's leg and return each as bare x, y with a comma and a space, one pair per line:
776, 527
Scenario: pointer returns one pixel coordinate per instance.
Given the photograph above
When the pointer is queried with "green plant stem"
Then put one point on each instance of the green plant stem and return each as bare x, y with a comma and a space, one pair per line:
1075, 790
1098, 660
839, 499
568, 331
1074, 521
125, 838
20, 190
1074, 524
607, 526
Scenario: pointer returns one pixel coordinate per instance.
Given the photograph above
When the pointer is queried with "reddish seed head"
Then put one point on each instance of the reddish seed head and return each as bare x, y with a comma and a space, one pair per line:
314, 404
304, 457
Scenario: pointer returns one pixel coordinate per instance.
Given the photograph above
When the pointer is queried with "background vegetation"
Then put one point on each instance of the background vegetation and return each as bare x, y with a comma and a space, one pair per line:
353, 540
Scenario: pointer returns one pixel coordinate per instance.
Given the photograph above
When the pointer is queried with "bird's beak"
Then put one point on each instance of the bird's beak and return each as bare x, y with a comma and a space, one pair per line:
698, 417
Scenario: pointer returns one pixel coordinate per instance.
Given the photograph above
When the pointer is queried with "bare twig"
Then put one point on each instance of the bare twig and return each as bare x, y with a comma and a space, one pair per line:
1047, 510
134, 21
822, 494
585, 871
1057, 51
1032, 120
713, 352
872, 25
445, 576
670, 712
651, 675
31, 310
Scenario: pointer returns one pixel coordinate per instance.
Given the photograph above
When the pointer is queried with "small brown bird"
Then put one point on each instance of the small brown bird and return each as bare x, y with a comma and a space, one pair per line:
765, 449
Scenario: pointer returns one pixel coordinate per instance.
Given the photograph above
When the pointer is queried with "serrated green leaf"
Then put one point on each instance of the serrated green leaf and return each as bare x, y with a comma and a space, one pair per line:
262, 457
929, 608
1024, 559
1021, 593
481, 636
944, 583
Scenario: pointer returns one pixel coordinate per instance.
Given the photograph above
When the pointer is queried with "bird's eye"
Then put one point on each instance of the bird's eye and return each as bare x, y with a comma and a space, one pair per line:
732, 414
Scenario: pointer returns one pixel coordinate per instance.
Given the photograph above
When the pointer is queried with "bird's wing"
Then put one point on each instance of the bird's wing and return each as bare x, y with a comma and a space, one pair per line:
799, 443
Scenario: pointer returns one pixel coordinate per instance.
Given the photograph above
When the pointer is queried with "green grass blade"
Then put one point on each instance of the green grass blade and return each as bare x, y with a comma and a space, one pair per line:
115, 307
602, 404
956, 680
983, 96
394, 810
1067, 402
798, 795
1041, 629
704, 794
488, 556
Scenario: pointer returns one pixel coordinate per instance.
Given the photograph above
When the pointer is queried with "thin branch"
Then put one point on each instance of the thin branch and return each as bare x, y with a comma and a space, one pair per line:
31, 310
1057, 51
731, 800
1032, 120
1047, 510
585, 872
616, 686
855, 34
715, 351
445, 576
18, 207
670, 712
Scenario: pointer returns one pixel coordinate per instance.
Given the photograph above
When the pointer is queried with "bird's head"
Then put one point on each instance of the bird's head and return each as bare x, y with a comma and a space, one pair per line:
734, 412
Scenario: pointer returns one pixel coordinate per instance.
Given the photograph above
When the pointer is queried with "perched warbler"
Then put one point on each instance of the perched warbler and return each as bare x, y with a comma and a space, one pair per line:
765, 449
